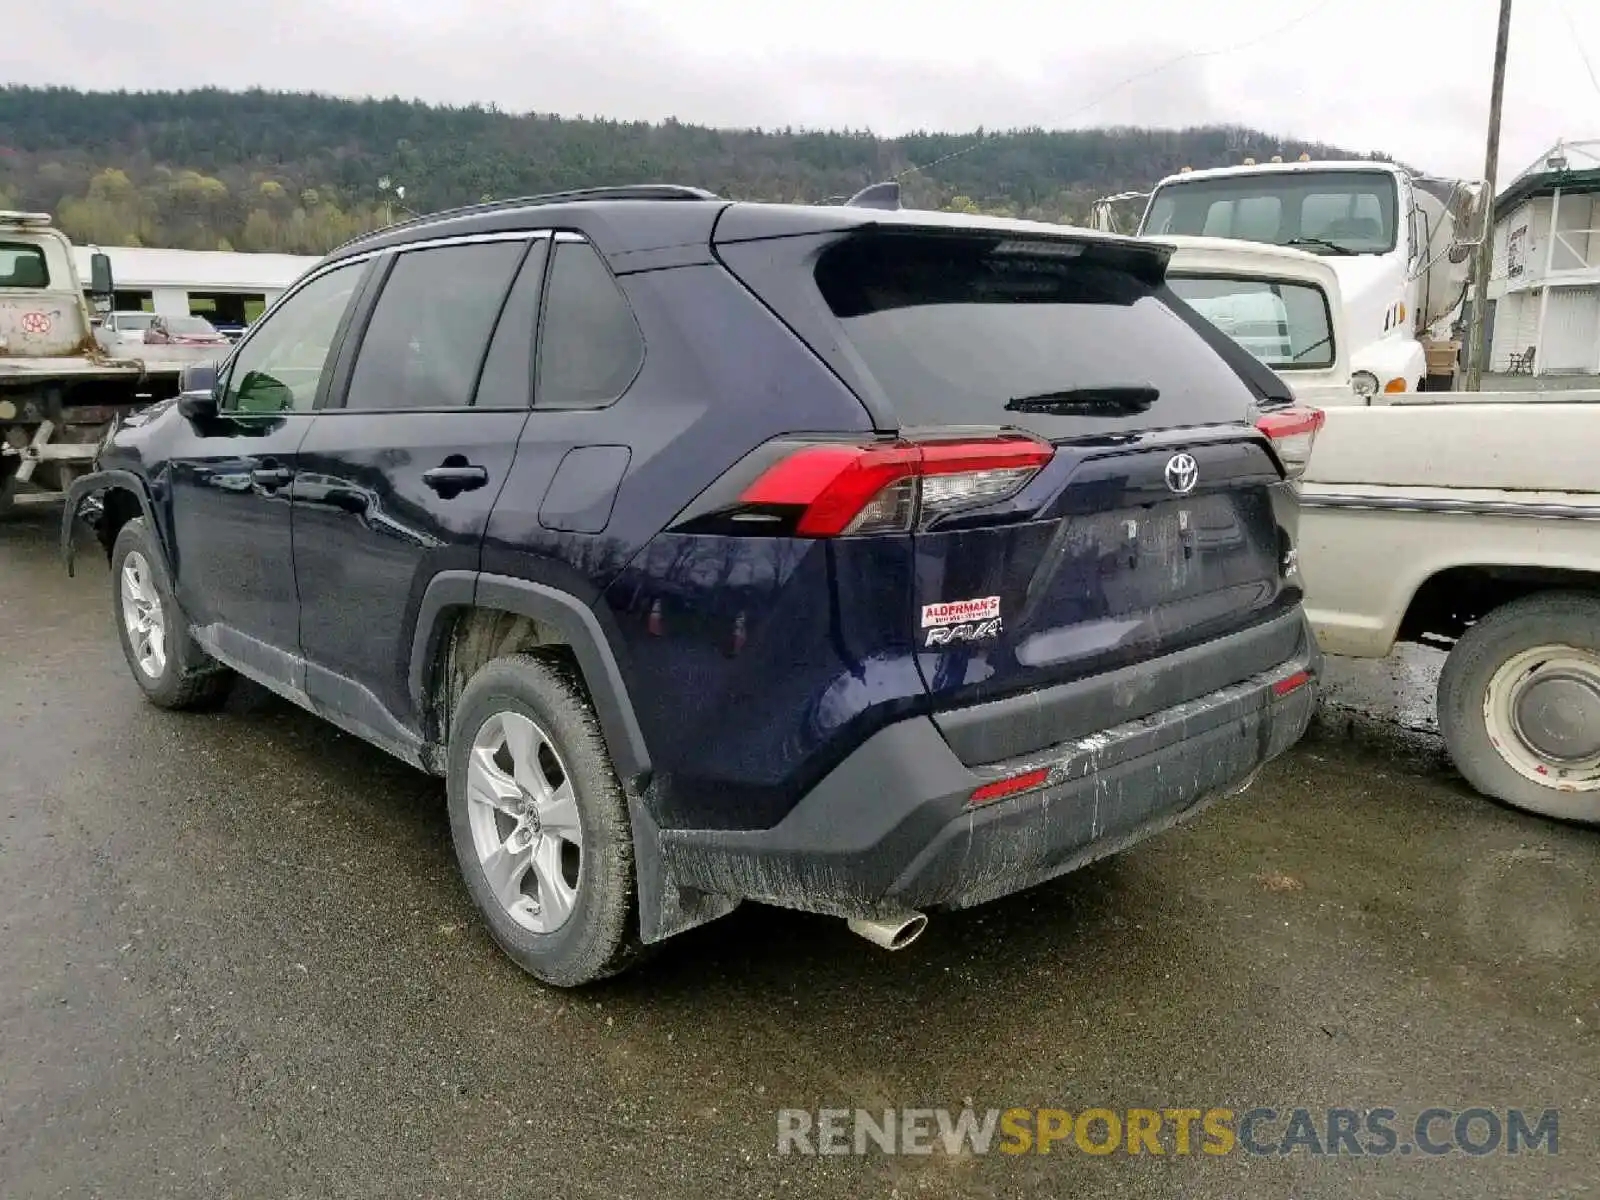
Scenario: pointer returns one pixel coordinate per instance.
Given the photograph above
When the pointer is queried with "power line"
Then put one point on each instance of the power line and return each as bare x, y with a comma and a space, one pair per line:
1582, 53
1145, 74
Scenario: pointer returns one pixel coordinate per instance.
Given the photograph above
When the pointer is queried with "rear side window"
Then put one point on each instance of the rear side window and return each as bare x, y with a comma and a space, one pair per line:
22, 266
590, 348
431, 327
984, 331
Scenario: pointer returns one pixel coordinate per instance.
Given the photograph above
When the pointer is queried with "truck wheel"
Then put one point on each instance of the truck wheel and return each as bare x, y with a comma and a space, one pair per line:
1519, 705
540, 823
172, 671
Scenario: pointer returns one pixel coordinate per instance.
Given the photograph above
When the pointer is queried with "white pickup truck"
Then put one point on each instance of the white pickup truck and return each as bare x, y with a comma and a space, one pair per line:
1470, 520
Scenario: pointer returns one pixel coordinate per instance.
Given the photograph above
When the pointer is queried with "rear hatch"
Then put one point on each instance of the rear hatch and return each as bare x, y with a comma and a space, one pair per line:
1144, 524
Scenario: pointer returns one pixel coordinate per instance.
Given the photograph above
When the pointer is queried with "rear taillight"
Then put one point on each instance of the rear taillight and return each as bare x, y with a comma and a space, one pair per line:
893, 487
1292, 430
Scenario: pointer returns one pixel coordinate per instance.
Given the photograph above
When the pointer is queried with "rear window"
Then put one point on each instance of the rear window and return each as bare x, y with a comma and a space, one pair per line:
985, 331
22, 266
1285, 325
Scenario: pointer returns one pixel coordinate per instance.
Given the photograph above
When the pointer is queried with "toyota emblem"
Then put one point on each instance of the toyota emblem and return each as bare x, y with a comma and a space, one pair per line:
1182, 473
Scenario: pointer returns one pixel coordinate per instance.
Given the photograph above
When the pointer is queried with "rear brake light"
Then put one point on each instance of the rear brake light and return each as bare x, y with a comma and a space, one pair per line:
1293, 431
895, 486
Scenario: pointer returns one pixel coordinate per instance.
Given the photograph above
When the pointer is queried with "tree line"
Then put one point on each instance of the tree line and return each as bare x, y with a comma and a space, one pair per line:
300, 173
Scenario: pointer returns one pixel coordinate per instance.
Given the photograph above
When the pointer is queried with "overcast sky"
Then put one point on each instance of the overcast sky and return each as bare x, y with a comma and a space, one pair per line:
1410, 77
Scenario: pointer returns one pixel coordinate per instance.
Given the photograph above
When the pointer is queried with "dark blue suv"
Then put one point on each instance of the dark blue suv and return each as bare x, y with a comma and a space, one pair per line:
858, 560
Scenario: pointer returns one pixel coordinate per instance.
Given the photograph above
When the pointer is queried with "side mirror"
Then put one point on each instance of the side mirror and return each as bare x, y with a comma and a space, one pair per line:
100, 282
198, 406
198, 377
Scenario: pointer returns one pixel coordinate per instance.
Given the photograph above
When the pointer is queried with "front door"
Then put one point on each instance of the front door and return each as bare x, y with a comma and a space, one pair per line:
229, 481
401, 469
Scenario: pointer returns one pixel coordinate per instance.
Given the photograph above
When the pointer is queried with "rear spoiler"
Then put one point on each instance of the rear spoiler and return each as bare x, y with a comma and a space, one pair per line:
874, 210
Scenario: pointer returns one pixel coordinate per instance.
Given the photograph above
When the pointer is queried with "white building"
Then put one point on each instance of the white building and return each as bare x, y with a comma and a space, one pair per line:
229, 288
1544, 291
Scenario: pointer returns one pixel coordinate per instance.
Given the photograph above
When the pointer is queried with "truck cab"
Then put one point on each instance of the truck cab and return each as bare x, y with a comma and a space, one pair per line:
1389, 236
43, 314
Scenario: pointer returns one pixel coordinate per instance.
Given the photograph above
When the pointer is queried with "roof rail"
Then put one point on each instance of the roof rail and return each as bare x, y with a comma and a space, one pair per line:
638, 191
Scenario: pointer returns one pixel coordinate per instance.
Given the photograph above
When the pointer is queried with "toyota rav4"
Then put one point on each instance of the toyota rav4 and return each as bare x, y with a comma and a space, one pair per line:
848, 558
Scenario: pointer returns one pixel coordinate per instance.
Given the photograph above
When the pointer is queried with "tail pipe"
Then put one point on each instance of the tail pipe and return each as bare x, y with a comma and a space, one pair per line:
894, 934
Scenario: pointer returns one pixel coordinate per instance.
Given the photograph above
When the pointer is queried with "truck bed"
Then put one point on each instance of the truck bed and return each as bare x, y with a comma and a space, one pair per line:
27, 370
1396, 494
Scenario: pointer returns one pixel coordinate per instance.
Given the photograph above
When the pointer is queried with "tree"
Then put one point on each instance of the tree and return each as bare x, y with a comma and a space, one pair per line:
296, 173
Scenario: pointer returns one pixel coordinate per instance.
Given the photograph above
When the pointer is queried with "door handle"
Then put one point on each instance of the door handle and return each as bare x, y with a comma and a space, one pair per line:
449, 480
271, 478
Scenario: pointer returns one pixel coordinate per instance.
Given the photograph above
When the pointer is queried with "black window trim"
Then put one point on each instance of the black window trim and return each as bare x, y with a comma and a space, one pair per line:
333, 402
558, 237
340, 335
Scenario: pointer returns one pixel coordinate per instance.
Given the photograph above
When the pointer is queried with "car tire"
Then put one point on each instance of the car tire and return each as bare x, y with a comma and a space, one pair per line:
540, 822
167, 664
1537, 750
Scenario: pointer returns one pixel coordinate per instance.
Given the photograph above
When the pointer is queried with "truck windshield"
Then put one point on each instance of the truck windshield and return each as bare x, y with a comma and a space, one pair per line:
22, 266
1285, 325
1325, 212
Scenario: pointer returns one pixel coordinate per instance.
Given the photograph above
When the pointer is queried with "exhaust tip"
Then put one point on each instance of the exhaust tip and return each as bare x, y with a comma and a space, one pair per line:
895, 934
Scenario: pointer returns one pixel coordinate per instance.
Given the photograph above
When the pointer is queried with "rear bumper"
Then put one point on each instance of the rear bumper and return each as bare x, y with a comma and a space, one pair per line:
890, 828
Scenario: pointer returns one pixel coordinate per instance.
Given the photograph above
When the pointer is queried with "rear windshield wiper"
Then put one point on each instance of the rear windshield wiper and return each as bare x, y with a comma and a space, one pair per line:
1129, 400
1333, 247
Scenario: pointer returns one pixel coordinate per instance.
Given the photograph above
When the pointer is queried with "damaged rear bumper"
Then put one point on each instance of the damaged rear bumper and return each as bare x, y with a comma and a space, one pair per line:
893, 828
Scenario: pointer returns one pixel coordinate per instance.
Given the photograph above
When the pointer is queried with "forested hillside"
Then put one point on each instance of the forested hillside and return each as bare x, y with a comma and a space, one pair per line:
300, 173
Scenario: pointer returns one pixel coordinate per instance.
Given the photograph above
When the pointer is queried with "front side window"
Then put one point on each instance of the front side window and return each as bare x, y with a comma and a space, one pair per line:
1285, 325
22, 265
1325, 212
281, 367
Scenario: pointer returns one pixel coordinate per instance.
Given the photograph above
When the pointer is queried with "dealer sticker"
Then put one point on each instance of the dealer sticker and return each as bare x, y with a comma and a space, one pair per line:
958, 612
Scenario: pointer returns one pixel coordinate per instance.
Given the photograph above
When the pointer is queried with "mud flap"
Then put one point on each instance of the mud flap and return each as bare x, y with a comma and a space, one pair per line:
665, 909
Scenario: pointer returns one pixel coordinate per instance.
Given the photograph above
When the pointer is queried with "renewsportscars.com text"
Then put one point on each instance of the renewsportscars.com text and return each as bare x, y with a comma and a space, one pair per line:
1366, 1132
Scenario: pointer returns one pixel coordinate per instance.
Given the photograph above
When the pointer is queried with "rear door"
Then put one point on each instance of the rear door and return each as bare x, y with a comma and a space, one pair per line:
397, 477
1151, 526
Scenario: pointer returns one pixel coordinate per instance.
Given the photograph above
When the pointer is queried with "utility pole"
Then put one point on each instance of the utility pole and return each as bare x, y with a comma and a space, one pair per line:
1476, 350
